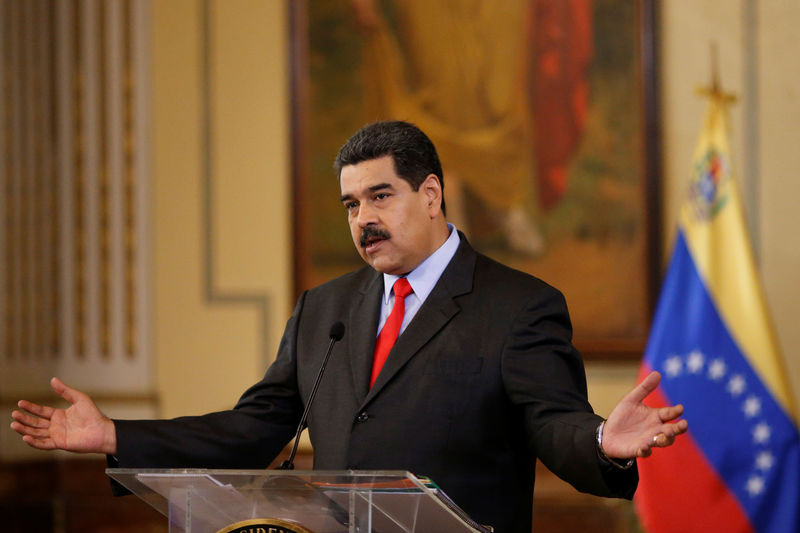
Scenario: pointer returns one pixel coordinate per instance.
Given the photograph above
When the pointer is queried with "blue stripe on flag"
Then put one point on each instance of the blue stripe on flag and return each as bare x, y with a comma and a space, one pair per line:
741, 429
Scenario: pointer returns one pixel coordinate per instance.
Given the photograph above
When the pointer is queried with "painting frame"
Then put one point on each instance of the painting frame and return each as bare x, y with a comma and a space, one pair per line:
596, 347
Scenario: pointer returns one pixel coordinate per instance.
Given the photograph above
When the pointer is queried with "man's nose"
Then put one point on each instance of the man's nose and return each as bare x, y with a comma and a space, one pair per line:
366, 215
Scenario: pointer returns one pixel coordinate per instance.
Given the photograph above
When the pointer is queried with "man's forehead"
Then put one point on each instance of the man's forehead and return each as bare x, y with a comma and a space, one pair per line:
368, 176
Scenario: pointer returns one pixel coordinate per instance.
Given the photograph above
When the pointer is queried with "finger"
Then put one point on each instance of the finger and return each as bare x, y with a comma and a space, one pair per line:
669, 433
645, 451
662, 440
673, 430
28, 420
66, 392
658, 440
29, 431
670, 413
40, 444
42, 411
648, 385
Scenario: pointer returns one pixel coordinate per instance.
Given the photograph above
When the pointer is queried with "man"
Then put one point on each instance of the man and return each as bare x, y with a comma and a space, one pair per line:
481, 380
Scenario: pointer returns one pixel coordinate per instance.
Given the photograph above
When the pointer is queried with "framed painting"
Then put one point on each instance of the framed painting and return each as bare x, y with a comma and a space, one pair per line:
544, 116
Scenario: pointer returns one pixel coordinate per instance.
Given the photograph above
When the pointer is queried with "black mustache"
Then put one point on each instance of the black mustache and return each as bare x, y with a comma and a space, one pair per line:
369, 231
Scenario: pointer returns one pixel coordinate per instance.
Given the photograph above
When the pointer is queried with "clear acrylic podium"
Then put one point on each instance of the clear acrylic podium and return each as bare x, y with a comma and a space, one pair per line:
278, 501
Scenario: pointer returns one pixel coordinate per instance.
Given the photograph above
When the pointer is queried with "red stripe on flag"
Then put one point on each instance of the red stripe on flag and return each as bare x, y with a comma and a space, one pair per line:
679, 491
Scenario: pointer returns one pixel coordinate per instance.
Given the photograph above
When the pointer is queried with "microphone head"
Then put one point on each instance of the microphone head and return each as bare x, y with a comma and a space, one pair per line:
337, 331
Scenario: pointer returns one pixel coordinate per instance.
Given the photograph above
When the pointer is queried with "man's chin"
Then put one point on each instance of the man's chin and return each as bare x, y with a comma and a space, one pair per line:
381, 260
381, 264
373, 255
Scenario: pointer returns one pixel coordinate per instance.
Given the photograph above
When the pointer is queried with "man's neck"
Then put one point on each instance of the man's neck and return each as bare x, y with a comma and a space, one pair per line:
441, 232
435, 263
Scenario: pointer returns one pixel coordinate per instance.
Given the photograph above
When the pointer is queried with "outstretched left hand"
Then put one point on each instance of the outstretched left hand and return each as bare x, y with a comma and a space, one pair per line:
633, 429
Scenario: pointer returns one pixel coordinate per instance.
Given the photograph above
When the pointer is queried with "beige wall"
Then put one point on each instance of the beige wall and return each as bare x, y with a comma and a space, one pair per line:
207, 352
222, 281
779, 187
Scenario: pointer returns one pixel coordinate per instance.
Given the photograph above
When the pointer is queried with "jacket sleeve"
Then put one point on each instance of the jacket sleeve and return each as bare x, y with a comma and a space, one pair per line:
544, 375
248, 436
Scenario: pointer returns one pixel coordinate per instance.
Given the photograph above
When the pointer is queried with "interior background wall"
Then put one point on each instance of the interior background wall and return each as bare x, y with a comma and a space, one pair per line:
221, 179
222, 198
207, 350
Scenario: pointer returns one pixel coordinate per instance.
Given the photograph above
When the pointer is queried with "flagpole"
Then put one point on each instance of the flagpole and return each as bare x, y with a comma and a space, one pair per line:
715, 84
714, 89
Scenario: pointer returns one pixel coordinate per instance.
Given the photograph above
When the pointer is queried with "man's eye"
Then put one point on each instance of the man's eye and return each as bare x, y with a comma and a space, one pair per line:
381, 195
350, 205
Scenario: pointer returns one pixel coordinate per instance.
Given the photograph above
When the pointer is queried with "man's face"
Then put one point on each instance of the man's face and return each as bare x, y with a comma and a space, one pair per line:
391, 224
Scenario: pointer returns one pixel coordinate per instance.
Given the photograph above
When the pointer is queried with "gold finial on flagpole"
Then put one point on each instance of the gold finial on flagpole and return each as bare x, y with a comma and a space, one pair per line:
715, 89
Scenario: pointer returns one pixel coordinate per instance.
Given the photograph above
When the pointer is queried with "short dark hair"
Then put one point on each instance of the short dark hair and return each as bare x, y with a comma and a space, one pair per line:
413, 153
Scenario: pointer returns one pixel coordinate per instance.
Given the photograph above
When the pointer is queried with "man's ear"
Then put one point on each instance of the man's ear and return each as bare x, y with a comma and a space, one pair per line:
432, 189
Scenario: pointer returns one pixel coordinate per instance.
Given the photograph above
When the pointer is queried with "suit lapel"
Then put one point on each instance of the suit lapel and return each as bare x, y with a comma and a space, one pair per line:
435, 313
362, 328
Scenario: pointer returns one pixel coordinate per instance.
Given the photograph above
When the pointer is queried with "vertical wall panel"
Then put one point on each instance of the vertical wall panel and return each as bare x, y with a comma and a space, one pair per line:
65, 149
4, 192
29, 177
49, 216
114, 201
91, 139
74, 149
15, 199
137, 173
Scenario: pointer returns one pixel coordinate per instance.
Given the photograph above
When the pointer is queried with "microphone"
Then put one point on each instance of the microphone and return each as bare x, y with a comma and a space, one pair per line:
335, 335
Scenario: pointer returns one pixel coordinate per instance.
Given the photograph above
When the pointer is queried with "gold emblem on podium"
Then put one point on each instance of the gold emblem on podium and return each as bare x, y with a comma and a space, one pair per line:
265, 525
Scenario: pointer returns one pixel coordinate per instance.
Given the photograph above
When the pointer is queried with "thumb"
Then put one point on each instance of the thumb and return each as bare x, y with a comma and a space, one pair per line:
643, 390
68, 393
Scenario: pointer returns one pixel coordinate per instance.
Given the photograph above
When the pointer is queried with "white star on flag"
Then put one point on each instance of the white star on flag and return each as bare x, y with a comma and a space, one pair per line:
717, 369
737, 385
761, 433
755, 485
764, 461
695, 362
673, 366
751, 406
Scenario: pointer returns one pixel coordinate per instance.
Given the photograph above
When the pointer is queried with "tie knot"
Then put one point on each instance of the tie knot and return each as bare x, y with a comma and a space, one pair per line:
402, 288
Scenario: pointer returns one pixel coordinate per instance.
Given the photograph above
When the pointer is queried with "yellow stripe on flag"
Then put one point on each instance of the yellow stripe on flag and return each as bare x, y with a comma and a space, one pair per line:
716, 235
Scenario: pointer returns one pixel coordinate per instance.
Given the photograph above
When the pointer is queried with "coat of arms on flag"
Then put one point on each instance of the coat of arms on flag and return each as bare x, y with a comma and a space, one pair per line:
707, 193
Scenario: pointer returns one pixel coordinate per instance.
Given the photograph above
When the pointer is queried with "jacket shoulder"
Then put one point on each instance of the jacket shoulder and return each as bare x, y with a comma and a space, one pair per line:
357, 281
503, 277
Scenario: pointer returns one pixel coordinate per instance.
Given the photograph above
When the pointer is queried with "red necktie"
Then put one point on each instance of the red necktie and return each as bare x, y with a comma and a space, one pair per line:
391, 329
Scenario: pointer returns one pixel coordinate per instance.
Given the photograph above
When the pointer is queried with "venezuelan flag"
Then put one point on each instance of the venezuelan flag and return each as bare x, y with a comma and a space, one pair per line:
738, 468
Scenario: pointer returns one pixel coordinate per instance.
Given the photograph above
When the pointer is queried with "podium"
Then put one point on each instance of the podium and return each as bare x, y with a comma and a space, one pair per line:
287, 501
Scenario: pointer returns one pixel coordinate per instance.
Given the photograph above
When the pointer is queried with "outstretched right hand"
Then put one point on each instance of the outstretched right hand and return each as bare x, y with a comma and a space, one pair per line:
79, 428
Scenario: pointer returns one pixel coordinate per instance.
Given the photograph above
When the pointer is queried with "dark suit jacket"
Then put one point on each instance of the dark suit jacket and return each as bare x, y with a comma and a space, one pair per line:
482, 382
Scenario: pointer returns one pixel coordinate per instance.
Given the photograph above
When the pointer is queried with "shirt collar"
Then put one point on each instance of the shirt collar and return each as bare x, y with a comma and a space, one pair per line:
423, 278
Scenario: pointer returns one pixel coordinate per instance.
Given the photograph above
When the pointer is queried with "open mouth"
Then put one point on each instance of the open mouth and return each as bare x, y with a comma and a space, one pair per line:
372, 238
373, 243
